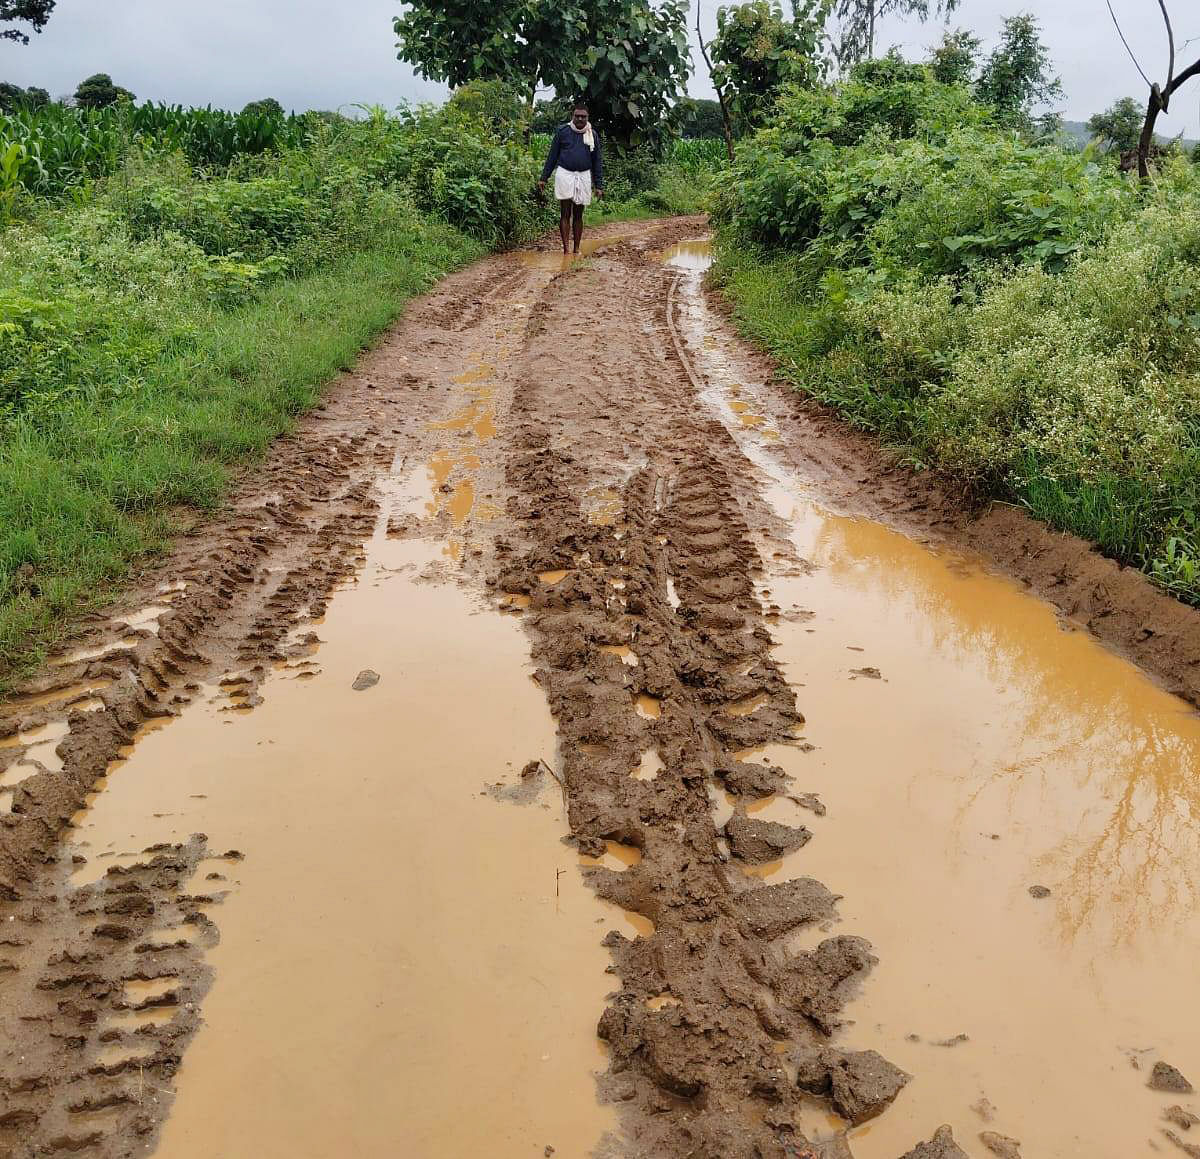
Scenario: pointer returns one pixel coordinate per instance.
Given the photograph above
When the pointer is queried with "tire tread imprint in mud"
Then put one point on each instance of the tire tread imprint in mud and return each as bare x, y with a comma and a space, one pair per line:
700, 1071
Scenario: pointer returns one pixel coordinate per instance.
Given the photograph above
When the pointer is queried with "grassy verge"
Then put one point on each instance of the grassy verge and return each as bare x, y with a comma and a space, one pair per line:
94, 486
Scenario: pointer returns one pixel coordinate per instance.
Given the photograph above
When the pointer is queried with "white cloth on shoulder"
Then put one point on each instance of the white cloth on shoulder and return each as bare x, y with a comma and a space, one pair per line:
576, 187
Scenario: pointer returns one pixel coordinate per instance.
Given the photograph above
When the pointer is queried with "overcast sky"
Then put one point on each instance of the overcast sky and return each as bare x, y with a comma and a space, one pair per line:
313, 54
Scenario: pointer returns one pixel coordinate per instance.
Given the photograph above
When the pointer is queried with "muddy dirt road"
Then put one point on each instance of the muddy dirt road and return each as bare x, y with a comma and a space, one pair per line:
568, 743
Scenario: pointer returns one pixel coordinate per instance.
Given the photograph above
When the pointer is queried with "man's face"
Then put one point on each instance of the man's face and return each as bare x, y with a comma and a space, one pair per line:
580, 118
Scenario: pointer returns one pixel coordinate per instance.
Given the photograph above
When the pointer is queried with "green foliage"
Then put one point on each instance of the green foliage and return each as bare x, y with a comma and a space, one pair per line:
699, 118
627, 58
69, 147
99, 92
954, 60
13, 97
859, 19
1119, 126
34, 13
1013, 314
267, 107
756, 51
494, 104
1017, 76
548, 115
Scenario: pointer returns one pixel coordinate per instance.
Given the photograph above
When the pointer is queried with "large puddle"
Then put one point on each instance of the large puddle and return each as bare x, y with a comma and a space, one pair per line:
970, 748
406, 966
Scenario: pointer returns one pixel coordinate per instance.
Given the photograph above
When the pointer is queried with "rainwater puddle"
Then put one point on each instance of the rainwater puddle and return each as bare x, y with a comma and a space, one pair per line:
63, 695
627, 655
649, 767
997, 751
1002, 752
617, 857
79, 655
692, 254
146, 618
395, 937
559, 262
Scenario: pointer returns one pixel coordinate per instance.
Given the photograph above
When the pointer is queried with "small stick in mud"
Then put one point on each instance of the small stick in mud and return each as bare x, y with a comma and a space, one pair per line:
561, 785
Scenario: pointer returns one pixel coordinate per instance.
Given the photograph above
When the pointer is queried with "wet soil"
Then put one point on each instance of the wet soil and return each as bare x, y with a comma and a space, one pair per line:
616, 927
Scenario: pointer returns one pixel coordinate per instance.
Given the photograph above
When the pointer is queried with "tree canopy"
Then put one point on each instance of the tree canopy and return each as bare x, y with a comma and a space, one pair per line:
1118, 127
99, 91
628, 59
1017, 76
32, 13
267, 107
757, 50
954, 60
15, 97
858, 20
699, 117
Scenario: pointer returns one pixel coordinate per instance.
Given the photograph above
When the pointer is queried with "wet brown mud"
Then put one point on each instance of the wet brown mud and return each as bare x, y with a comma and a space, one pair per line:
285, 855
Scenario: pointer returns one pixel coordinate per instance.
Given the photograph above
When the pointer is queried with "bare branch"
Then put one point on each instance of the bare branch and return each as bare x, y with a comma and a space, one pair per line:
1125, 42
1170, 43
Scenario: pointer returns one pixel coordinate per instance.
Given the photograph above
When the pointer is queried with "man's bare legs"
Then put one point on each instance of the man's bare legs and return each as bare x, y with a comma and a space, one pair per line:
577, 226
570, 225
564, 223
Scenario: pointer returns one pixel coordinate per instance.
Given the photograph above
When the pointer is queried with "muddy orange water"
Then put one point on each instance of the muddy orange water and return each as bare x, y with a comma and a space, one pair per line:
394, 942
411, 966
997, 749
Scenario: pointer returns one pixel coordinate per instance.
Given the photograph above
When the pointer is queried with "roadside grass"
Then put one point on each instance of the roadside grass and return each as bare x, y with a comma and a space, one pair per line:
90, 490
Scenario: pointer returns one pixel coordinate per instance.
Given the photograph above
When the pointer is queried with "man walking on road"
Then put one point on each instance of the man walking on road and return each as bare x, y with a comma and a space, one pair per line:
578, 171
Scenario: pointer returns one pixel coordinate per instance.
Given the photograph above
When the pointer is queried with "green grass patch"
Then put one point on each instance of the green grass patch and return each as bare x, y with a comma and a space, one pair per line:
87, 490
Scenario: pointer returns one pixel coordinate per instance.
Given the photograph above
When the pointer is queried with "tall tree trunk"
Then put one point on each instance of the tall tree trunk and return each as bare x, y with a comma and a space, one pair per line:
871, 30
1146, 140
720, 89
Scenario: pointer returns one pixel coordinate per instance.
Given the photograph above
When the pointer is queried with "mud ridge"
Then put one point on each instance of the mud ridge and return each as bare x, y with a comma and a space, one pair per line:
714, 1010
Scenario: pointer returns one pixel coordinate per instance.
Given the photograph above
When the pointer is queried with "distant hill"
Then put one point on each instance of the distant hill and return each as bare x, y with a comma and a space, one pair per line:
1078, 131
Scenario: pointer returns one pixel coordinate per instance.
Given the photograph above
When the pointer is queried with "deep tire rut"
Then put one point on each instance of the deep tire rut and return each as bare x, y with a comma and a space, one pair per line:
714, 1011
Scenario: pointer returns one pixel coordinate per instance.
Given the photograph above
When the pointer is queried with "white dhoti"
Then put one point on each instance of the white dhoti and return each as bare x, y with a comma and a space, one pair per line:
576, 187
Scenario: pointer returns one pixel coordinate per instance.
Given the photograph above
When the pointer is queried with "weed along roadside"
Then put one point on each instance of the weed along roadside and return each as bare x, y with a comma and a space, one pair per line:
1003, 308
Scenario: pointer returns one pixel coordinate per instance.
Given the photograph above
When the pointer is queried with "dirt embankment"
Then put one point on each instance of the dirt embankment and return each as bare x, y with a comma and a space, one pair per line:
632, 529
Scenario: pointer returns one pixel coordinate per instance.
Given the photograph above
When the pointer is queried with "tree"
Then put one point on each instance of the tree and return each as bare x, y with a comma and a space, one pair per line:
98, 92
14, 97
267, 107
1118, 126
627, 59
549, 115
756, 51
1016, 78
857, 21
1160, 95
35, 13
953, 61
699, 117
495, 104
